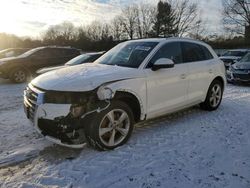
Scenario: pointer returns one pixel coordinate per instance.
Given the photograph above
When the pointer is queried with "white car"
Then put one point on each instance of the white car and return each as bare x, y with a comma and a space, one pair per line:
99, 103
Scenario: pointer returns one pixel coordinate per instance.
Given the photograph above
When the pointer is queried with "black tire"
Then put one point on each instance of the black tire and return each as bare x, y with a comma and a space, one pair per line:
215, 103
95, 124
18, 75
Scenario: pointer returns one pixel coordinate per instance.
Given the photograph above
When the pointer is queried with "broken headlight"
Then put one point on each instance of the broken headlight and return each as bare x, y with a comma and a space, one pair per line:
77, 110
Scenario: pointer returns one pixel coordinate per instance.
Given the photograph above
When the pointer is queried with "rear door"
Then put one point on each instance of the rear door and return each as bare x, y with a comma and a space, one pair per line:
57, 57
41, 58
200, 64
166, 88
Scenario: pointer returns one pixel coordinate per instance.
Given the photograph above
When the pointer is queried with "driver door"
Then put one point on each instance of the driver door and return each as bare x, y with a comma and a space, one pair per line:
166, 88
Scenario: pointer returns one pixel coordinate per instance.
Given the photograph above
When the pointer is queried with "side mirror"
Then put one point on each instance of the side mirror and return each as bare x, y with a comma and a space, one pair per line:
163, 63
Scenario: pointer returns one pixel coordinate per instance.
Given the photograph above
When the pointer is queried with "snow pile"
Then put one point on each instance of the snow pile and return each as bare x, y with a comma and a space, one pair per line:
192, 148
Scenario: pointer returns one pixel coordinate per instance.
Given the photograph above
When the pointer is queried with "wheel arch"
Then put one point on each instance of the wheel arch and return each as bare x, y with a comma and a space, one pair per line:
17, 66
132, 101
220, 79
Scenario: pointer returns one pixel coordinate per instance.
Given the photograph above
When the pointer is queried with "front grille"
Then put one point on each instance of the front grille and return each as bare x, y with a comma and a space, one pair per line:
32, 98
242, 76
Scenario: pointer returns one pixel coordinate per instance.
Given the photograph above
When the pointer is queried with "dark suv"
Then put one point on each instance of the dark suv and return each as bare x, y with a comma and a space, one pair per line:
12, 52
18, 69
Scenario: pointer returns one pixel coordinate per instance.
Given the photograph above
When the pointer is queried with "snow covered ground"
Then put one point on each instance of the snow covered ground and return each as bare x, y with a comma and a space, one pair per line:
192, 148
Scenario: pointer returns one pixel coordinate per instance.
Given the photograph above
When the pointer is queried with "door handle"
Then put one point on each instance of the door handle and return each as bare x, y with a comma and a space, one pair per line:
210, 71
183, 76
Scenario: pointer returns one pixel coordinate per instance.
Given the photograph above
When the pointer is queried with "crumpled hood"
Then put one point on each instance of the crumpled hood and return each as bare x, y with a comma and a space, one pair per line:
84, 77
242, 65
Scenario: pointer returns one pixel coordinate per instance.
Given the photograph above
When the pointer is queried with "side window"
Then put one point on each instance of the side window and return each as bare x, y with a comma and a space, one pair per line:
70, 52
93, 58
207, 53
40, 54
194, 52
57, 52
171, 51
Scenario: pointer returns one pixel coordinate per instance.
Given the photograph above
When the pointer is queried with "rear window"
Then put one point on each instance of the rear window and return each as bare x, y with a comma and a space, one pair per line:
194, 52
70, 52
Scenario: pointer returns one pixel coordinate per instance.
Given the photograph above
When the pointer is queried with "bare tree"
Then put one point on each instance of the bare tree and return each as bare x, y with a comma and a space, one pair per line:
97, 31
186, 17
148, 15
106, 32
63, 33
129, 19
117, 28
94, 30
237, 16
137, 20
199, 31
50, 34
67, 30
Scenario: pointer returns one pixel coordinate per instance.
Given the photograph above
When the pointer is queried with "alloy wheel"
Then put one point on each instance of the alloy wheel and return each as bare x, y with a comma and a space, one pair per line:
216, 94
114, 127
19, 76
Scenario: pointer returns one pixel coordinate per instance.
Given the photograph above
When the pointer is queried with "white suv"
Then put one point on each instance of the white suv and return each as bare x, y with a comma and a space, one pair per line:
99, 103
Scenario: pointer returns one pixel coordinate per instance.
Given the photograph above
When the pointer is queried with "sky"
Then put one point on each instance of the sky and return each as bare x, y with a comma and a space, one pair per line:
32, 17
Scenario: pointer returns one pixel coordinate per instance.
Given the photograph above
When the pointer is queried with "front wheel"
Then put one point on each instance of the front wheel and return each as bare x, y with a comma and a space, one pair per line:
214, 96
18, 75
110, 128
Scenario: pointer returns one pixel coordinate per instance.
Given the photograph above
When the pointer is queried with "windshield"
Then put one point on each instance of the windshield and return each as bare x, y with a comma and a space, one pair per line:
235, 53
78, 60
30, 52
127, 54
245, 59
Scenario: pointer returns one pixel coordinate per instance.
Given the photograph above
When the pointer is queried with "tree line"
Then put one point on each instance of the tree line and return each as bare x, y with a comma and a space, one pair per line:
169, 18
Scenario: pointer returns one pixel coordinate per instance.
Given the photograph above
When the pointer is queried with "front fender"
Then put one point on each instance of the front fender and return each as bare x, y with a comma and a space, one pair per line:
136, 87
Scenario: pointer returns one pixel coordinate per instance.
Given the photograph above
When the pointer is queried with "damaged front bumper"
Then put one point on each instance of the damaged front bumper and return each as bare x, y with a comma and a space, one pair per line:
62, 124
238, 76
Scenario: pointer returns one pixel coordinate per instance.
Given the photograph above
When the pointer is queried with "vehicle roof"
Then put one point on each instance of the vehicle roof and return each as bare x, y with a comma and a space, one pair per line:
61, 47
94, 53
181, 39
240, 50
9, 49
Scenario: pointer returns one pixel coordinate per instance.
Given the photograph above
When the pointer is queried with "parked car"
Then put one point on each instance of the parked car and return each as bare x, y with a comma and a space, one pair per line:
12, 52
84, 58
18, 69
100, 102
240, 71
220, 52
231, 56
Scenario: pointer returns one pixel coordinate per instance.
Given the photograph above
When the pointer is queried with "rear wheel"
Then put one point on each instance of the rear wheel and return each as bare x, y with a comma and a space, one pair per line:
214, 96
110, 128
19, 75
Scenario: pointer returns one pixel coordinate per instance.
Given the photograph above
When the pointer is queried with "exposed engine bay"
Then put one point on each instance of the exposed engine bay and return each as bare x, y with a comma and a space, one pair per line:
62, 115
